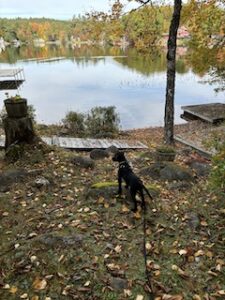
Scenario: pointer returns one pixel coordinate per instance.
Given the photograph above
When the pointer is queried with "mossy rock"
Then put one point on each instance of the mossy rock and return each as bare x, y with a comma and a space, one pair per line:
109, 189
167, 171
100, 185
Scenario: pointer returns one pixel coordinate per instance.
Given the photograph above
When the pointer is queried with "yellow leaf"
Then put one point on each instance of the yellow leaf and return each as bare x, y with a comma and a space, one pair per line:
209, 254
35, 298
137, 215
87, 283
118, 249
127, 293
199, 253
172, 297
204, 223
148, 246
183, 252
221, 292
197, 297
39, 284
139, 297
125, 208
13, 289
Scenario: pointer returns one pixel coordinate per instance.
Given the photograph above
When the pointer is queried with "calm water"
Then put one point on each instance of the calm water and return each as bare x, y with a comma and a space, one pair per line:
134, 84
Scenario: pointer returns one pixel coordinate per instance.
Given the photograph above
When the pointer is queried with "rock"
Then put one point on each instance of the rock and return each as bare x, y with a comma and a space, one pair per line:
118, 284
11, 176
175, 172
153, 171
99, 154
83, 162
41, 182
167, 171
54, 239
112, 149
193, 220
201, 169
180, 185
106, 192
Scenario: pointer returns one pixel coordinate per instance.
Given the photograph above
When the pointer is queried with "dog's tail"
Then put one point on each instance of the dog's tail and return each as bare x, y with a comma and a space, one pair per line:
147, 191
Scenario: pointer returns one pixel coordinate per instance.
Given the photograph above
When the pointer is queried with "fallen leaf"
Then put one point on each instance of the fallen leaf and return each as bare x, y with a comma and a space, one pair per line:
118, 249
87, 283
182, 252
139, 297
13, 289
199, 253
125, 208
127, 293
172, 297
39, 284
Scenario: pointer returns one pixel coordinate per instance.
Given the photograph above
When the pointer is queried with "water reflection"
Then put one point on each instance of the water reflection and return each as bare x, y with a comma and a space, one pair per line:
90, 76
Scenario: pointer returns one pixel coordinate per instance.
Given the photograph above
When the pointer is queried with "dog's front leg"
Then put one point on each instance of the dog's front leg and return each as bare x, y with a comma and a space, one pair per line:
119, 184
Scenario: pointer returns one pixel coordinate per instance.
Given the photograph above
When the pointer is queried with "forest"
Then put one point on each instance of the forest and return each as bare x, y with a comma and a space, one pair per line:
140, 28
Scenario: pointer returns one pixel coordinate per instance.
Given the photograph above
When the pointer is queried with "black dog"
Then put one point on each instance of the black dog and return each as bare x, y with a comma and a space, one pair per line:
133, 182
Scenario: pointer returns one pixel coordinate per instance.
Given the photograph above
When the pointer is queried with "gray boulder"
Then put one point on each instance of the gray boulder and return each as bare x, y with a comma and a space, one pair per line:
175, 172
201, 169
83, 162
112, 149
41, 182
98, 154
11, 176
118, 284
105, 192
167, 171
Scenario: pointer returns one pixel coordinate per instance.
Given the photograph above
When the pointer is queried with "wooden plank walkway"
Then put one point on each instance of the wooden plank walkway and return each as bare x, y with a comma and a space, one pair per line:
212, 112
86, 144
10, 84
10, 72
193, 145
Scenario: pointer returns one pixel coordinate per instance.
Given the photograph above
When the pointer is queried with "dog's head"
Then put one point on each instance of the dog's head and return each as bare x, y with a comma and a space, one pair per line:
119, 156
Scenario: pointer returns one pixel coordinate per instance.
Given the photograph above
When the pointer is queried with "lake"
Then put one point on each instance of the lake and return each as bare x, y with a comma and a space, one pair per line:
87, 77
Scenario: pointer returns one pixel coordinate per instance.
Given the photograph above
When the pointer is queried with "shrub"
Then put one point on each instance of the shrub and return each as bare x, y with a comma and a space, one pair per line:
74, 121
102, 120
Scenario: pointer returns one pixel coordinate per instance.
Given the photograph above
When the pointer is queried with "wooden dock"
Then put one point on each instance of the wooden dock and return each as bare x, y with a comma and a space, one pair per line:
86, 144
212, 112
12, 78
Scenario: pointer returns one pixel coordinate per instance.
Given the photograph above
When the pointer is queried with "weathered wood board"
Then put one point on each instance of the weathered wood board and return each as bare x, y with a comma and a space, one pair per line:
189, 143
10, 72
10, 84
87, 144
212, 112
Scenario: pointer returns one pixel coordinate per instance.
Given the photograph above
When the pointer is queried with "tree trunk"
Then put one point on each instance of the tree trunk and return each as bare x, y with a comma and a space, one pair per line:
171, 73
18, 130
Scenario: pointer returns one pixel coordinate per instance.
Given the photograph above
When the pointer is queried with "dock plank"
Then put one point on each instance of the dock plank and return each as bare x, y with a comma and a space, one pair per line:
211, 112
86, 144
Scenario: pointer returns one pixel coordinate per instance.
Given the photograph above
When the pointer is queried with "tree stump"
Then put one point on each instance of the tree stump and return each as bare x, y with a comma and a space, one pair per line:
18, 130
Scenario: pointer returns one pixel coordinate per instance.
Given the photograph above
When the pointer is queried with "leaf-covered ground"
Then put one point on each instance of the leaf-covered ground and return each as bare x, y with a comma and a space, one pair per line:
59, 243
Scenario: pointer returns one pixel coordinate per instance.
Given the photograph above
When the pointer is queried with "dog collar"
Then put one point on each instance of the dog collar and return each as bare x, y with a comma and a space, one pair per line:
122, 162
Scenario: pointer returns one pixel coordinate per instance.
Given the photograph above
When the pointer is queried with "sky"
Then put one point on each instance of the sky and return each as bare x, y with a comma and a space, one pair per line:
57, 9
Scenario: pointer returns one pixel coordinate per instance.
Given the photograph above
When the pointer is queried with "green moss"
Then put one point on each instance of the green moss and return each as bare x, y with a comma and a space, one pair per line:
165, 149
100, 185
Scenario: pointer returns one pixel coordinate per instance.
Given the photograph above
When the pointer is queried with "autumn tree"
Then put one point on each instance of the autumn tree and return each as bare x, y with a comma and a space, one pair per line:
171, 73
